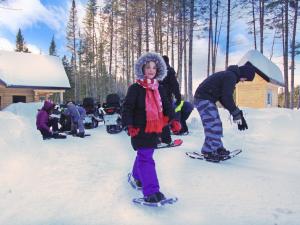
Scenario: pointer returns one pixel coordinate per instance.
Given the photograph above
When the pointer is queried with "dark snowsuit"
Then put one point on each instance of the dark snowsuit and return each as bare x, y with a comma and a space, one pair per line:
218, 87
171, 86
183, 115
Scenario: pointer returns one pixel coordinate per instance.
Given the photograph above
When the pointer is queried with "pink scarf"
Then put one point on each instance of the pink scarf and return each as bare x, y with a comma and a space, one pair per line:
154, 111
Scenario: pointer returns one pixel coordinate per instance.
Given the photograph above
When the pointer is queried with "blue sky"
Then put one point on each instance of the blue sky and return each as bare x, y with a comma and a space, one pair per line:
39, 20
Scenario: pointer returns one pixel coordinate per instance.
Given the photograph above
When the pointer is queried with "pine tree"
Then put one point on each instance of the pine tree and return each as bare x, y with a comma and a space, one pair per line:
52, 48
20, 43
89, 47
68, 69
72, 30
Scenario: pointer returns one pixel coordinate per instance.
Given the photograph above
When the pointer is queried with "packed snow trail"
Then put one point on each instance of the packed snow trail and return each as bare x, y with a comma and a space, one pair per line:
83, 181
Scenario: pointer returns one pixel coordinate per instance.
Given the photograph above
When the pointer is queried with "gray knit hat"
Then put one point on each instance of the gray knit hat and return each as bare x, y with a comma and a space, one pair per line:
147, 57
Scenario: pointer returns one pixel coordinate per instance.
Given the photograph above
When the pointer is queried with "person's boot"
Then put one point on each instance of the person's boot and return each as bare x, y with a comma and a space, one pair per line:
80, 134
73, 132
154, 198
138, 183
223, 152
212, 156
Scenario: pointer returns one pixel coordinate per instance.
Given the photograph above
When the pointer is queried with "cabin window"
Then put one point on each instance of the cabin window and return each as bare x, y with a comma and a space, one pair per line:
19, 98
269, 98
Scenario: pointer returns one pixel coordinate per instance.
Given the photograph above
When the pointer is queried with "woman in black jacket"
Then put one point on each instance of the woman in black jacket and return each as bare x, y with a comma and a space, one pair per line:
146, 111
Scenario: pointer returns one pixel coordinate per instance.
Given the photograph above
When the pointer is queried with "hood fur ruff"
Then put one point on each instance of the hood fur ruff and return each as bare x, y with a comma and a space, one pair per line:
147, 57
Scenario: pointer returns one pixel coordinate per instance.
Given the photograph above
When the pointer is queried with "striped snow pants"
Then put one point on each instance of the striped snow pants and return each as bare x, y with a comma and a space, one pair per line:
212, 125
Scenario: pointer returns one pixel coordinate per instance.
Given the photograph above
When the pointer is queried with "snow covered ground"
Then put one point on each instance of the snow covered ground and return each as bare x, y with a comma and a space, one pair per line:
84, 181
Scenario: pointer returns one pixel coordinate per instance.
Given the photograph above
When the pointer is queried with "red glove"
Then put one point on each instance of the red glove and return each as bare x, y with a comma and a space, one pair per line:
133, 131
166, 121
175, 126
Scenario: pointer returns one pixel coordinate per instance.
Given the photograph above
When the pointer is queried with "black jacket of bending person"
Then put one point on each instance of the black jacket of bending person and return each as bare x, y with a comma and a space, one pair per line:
220, 86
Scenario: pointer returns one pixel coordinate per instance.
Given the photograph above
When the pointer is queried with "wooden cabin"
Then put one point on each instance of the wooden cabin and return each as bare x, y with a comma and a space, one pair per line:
25, 77
262, 92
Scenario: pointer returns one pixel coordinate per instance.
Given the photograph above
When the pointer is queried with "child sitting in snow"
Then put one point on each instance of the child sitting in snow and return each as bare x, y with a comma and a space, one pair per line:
146, 110
44, 122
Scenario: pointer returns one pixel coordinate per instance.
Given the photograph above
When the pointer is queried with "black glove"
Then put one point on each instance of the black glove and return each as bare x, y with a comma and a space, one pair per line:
240, 120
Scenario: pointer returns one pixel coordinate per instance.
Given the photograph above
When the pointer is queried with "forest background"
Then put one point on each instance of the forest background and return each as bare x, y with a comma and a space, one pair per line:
102, 39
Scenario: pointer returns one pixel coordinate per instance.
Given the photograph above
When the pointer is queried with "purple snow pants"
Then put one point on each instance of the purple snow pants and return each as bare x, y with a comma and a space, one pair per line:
144, 171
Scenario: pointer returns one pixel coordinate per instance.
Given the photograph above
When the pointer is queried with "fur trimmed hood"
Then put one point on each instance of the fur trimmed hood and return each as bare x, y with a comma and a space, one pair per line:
147, 57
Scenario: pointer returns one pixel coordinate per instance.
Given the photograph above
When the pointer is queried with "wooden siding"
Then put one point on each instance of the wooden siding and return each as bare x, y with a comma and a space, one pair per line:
32, 95
8, 93
254, 94
274, 89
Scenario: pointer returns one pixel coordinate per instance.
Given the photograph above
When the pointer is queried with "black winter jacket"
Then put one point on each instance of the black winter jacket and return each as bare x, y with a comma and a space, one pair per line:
171, 86
134, 114
220, 87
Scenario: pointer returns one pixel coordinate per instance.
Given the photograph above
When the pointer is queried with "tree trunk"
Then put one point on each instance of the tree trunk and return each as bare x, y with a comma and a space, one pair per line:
273, 43
190, 80
293, 54
127, 45
132, 55
147, 27
139, 37
160, 25
111, 41
214, 39
179, 44
156, 38
209, 38
254, 24
79, 67
228, 33
285, 54
168, 28
261, 22
185, 75
172, 35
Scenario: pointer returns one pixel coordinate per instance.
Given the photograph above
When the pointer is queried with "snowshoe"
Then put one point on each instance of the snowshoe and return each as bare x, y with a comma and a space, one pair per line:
165, 201
197, 155
135, 184
174, 143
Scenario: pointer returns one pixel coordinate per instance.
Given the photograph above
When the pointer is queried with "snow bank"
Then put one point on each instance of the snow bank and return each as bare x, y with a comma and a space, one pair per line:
83, 181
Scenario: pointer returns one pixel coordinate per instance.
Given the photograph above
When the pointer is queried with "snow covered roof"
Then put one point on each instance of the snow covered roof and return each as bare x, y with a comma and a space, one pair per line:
30, 70
264, 67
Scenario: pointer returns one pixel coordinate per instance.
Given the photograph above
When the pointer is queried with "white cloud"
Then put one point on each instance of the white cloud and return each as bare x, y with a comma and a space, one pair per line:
34, 49
6, 44
27, 13
200, 60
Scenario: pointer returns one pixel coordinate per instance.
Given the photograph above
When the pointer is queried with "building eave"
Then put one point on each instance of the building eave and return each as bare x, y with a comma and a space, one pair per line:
267, 78
37, 87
